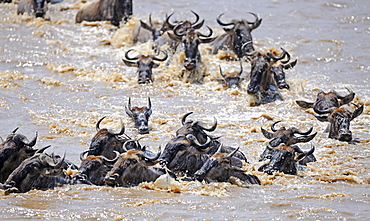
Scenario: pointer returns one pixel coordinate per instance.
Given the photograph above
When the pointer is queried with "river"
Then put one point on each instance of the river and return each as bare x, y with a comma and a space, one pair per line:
58, 78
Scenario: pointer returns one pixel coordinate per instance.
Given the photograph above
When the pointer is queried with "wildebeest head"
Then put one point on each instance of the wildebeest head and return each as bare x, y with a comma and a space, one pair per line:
145, 64
15, 149
279, 74
287, 136
195, 128
93, 169
191, 40
240, 33
157, 29
39, 8
140, 115
184, 25
339, 119
261, 78
328, 100
41, 171
132, 168
284, 159
232, 81
105, 141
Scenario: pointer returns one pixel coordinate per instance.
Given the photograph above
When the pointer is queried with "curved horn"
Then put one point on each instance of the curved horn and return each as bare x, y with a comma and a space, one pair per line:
241, 70
329, 110
112, 160
122, 131
33, 141
255, 16
310, 151
232, 153
193, 139
98, 123
214, 126
82, 155
206, 36
60, 162
150, 20
160, 59
273, 126
222, 74
167, 22
178, 35
149, 104
131, 58
296, 131
222, 23
15, 130
42, 149
156, 157
196, 18
183, 119
219, 148
281, 56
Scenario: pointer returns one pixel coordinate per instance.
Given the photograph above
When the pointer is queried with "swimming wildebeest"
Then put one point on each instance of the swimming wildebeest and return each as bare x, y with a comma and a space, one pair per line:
105, 10
13, 151
286, 136
238, 37
36, 7
339, 119
231, 81
105, 141
327, 100
263, 83
41, 171
133, 168
221, 167
144, 32
144, 64
140, 115
285, 159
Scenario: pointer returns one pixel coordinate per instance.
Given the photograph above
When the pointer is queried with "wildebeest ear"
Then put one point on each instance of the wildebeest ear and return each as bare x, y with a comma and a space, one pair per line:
267, 134
155, 65
305, 104
322, 118
129, 63
347, 99
357, 112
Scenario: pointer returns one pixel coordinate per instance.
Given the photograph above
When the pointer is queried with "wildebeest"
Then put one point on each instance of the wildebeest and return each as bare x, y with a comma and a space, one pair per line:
105, 141
220, 167
133, 168
144, 32
41, 171
263, 84
287, 137
285, 158
144, 64
328, 100
140, 115
231, 81
93, 169
182, 26
191, 40
15, 149
279, 74
105, 10
238, 37
36, 7
192, 146
339, 119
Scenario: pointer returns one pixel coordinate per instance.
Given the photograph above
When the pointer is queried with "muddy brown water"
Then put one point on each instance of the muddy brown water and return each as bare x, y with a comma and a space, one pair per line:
58, 78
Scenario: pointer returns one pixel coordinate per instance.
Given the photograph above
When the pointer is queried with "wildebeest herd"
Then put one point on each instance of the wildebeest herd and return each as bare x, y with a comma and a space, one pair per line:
116, 159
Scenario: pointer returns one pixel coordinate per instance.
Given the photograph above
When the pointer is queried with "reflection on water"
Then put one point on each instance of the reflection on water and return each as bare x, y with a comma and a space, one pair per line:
59, 78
